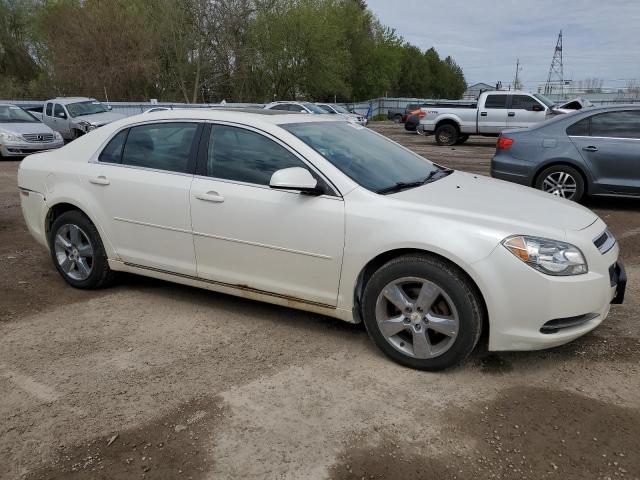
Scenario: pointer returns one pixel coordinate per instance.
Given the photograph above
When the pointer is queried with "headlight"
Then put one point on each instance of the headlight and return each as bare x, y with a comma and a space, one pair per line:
9, 137
87, 126
57, 136
547, 256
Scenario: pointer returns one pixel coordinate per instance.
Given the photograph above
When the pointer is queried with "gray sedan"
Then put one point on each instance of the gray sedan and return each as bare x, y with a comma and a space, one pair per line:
21, 133
590, 152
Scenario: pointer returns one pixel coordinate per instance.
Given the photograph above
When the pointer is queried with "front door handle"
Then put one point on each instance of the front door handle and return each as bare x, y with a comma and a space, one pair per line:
590, 148
512, 114
210, 196
483, 114
101, 180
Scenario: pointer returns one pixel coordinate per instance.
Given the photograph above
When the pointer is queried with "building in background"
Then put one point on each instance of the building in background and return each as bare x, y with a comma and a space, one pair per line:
472, 91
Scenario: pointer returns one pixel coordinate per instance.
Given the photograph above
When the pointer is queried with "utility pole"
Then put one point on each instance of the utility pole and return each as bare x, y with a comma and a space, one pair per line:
556, 71
516, 81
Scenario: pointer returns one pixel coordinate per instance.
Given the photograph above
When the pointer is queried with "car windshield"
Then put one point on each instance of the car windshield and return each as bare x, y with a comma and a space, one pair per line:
545, 100
340, 109
313, 108
85, 108
326, 108
13, 114
371, 160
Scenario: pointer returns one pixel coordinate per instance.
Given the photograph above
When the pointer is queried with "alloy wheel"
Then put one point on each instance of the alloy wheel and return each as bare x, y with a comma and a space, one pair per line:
74, 252
417, 317
561, 184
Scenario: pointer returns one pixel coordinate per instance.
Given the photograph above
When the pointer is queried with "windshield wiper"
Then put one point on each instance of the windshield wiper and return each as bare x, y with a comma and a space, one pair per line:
399, 186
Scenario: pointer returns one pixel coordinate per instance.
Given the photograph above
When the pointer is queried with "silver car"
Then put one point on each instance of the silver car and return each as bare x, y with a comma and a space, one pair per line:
21, 133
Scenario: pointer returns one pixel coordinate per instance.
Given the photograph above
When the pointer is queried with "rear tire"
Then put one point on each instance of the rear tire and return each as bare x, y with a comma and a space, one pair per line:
563, 181
397, 118
422, 312
77, 252
447, 135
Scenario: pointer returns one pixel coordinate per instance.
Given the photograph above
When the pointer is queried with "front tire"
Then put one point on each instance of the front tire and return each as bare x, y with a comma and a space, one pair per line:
563, 181
447, 135
422, 312
78, 253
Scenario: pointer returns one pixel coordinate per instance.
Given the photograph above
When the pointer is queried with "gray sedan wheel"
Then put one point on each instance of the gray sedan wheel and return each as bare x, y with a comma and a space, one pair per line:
562, 181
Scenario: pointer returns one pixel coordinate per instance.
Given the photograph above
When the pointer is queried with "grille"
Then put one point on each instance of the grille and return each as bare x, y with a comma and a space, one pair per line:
554, 326
38, 137
605, 242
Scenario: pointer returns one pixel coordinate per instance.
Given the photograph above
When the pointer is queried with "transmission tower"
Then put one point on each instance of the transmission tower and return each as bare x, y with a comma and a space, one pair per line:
556, 72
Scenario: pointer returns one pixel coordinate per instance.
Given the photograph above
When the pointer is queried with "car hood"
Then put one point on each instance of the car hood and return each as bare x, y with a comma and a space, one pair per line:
486, 200
20, 128
101, 118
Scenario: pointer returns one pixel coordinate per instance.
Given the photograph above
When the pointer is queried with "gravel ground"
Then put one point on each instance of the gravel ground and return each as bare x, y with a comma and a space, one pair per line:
153, 380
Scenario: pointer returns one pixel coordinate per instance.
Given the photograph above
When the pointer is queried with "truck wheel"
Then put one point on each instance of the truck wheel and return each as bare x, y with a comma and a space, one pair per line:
422, 312
397, 118
77, 133
446, 135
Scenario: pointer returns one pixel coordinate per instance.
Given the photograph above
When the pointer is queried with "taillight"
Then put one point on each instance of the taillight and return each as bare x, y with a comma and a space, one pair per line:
418, 112
504, 143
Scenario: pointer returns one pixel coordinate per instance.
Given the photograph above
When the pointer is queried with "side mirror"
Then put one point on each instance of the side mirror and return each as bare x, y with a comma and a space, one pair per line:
537, 108
62, 115
109, 107
295, 178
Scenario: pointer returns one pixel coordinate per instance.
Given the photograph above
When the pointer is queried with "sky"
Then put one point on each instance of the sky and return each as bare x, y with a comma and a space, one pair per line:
601, 38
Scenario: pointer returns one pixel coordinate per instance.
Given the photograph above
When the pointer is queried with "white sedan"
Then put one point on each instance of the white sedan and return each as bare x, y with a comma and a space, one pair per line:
329, 217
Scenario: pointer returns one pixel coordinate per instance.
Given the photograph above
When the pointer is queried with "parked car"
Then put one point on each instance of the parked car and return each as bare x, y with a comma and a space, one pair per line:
495, 111
399, 115
329, 217
333, 109
595, 151
296, 107
569, 106
73, 117
22, 134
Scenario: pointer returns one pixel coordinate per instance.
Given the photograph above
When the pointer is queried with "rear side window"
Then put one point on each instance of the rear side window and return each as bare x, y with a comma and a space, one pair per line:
246, 156
112, 153
281, 106
524, 102
580, 129
616, 124
48, 110
496, 101
161, 146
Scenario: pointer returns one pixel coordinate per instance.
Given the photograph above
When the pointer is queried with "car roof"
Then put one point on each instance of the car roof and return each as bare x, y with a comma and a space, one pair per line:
68, 100
245, 115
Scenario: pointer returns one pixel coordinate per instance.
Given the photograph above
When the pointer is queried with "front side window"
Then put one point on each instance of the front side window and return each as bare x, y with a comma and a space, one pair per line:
58, 111
616, 124
280, 106
112, 153
524, 102
161, 146
246, 156
496, 101
369, 159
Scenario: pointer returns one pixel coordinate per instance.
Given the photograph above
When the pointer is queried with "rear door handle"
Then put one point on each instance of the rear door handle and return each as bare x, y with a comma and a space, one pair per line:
210, 196
512, 114
590, 148
483, 114
101, 180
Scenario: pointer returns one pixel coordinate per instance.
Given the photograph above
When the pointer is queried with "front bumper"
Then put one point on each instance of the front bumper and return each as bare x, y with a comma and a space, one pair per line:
26, 148
525, 306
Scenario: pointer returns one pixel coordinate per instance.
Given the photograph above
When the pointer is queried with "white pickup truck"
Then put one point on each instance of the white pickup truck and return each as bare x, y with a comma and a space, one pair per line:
495, 111
74, 116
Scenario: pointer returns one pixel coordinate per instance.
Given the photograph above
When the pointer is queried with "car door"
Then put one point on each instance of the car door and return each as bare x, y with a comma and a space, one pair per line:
492, 117
251, 236
525, 111
611, 148
61, 120
140, 184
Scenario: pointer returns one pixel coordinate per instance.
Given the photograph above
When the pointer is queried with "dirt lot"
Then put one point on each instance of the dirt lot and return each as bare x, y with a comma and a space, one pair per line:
153, 380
